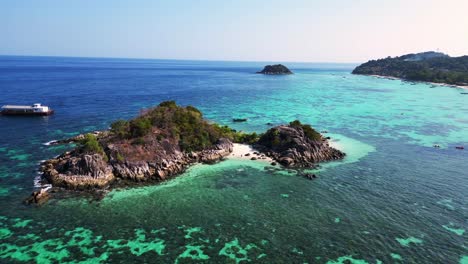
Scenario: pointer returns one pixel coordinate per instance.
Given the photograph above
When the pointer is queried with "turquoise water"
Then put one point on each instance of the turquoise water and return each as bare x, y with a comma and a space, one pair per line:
394, 199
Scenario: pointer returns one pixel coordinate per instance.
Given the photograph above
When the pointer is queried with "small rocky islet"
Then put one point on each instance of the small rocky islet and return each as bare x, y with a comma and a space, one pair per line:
296, 145
165, 140
277, 69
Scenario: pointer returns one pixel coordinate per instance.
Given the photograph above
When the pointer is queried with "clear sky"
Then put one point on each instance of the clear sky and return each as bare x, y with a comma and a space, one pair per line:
253, 30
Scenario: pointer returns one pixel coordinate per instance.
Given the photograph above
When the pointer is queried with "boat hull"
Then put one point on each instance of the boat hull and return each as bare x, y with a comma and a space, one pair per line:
23, 113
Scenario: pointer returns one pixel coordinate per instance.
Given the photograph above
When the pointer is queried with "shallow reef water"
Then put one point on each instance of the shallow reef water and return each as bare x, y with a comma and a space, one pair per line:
393, 199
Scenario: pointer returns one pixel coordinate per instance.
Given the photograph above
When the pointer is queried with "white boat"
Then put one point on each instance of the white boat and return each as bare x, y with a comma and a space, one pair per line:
35, 109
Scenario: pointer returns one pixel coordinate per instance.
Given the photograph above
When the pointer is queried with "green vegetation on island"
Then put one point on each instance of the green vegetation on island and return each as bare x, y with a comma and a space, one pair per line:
90, 144
427, 67
186, 124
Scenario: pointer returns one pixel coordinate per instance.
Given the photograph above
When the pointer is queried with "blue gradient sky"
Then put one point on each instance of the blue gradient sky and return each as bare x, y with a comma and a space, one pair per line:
274, 30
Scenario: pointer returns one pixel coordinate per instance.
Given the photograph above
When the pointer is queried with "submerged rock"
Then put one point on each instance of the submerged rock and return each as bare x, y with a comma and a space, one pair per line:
277, 69
37, 197
310, 176
239, 120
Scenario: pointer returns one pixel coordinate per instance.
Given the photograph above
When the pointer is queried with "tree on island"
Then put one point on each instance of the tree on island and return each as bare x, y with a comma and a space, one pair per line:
427, 66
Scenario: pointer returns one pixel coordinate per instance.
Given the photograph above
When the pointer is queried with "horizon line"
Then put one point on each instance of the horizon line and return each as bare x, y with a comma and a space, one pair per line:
144, 58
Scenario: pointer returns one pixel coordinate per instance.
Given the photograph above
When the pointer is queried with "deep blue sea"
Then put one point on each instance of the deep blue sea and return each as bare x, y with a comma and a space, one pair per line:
394, 199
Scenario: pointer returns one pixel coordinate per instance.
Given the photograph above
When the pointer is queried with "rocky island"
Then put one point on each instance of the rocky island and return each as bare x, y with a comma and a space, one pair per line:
296, 145
278, 69
429, 66
163, 141
160, 143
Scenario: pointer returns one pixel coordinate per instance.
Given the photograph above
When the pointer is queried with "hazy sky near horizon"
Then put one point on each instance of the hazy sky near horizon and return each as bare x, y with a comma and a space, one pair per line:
253, 30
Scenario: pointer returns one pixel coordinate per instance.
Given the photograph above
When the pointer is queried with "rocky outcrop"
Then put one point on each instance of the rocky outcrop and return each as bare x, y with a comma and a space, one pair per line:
222, 149
73, 170
292, 146
78, 171
159, 143
37, 197
277, 69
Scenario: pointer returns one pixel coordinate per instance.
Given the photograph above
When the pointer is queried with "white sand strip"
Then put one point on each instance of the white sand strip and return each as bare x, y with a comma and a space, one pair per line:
246, 152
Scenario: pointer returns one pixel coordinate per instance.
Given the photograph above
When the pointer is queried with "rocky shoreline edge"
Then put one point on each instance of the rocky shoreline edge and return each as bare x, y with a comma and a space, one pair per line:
411, 81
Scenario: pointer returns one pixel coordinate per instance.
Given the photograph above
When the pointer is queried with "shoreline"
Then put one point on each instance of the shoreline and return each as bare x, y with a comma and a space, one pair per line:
247, 152
432, 83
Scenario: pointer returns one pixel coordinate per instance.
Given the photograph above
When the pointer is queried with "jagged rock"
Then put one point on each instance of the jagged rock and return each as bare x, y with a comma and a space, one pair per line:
74, 170
136, 171
310, 176
290, 146
222, 149
286, 161
37, 197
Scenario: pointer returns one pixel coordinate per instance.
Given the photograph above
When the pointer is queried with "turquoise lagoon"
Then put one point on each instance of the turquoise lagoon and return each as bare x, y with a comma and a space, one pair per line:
394, 199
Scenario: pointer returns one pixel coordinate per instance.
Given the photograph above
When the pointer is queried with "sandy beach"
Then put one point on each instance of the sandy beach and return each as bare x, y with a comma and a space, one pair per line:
246, 152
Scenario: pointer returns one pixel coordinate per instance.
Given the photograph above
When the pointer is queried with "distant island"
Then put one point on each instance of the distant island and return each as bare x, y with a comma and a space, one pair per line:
278, 69
165, 140
429, 66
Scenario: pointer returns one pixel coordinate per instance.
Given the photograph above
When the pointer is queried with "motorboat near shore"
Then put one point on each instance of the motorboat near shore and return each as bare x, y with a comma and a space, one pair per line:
35, 109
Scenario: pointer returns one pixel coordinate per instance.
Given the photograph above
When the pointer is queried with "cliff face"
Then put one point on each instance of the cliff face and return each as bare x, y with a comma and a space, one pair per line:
277, 69
74, 170
297, 146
